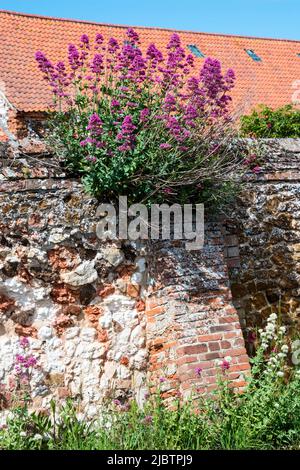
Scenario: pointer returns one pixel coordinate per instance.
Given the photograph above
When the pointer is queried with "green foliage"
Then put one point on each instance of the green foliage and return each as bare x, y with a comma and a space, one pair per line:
265, 416
272, 123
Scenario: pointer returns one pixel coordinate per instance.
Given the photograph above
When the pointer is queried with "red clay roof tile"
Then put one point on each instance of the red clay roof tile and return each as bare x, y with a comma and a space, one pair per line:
269, 81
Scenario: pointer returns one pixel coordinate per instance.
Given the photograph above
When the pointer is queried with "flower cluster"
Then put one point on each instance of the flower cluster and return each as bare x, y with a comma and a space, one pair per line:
25, 362
270, 333
274, 346
131, 105
224, 364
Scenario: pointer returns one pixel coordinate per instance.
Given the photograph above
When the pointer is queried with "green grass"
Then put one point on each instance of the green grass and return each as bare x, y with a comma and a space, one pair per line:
265, 416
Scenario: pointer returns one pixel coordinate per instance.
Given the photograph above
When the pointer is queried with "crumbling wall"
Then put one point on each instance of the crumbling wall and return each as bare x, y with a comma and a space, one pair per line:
262, 239
105, 320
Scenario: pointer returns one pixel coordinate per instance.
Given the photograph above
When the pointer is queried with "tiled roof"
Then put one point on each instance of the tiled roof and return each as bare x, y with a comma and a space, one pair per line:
268, 81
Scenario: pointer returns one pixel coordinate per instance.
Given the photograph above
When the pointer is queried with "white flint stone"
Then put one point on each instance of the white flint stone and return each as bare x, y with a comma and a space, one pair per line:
57, 235
72, 332
84, 274
88, 334
113, 256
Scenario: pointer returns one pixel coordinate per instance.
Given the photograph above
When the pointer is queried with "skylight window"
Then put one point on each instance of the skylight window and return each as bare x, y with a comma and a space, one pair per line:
298, 54
195, 50
253, 56
128, 43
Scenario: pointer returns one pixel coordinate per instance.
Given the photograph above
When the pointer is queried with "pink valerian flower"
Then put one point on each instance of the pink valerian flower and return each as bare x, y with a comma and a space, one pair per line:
74, 57
257, 169
198, 371
18, 370
133, 36
175, 61
224, 364
169, 191
162, 379
148, 419
56, 75
131, 104
24, 343
113, 46
85, 42
250, 159
165, 146
115, 103
95, 125
31, 361
26, 362
43, 63
190, 60
174, 42
131, 64
169, 103
20, 359
144, 114
191, 114
128, 127
153, 54
97, 65
91, 159
92, 141
126, 134
215, 86
98, 40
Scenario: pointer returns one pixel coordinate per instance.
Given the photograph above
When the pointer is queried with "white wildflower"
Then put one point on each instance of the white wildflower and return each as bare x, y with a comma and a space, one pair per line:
282, 355
285, 348
280, 374
272, 317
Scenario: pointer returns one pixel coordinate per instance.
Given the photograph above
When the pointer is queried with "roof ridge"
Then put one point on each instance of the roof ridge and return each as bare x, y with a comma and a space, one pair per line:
72, 20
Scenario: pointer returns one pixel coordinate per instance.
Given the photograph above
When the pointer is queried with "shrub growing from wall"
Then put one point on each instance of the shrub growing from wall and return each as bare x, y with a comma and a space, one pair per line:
273, 123
142, 124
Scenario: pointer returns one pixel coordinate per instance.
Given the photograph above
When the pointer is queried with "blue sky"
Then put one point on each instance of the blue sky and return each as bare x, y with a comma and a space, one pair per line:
271, 18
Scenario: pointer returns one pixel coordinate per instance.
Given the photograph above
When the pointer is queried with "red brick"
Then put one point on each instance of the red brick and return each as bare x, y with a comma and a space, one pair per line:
214, 355
240, 367
229, 319
186, 359
243, 359
193, 349
216, 328
225, 344
231, 334
213, 337
236, 352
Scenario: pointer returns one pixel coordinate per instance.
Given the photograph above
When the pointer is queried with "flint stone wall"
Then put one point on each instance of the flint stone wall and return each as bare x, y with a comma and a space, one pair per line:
105, 320
262, 238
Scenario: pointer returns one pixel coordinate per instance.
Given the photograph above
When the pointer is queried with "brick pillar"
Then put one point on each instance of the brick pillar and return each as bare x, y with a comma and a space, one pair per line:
191, 321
